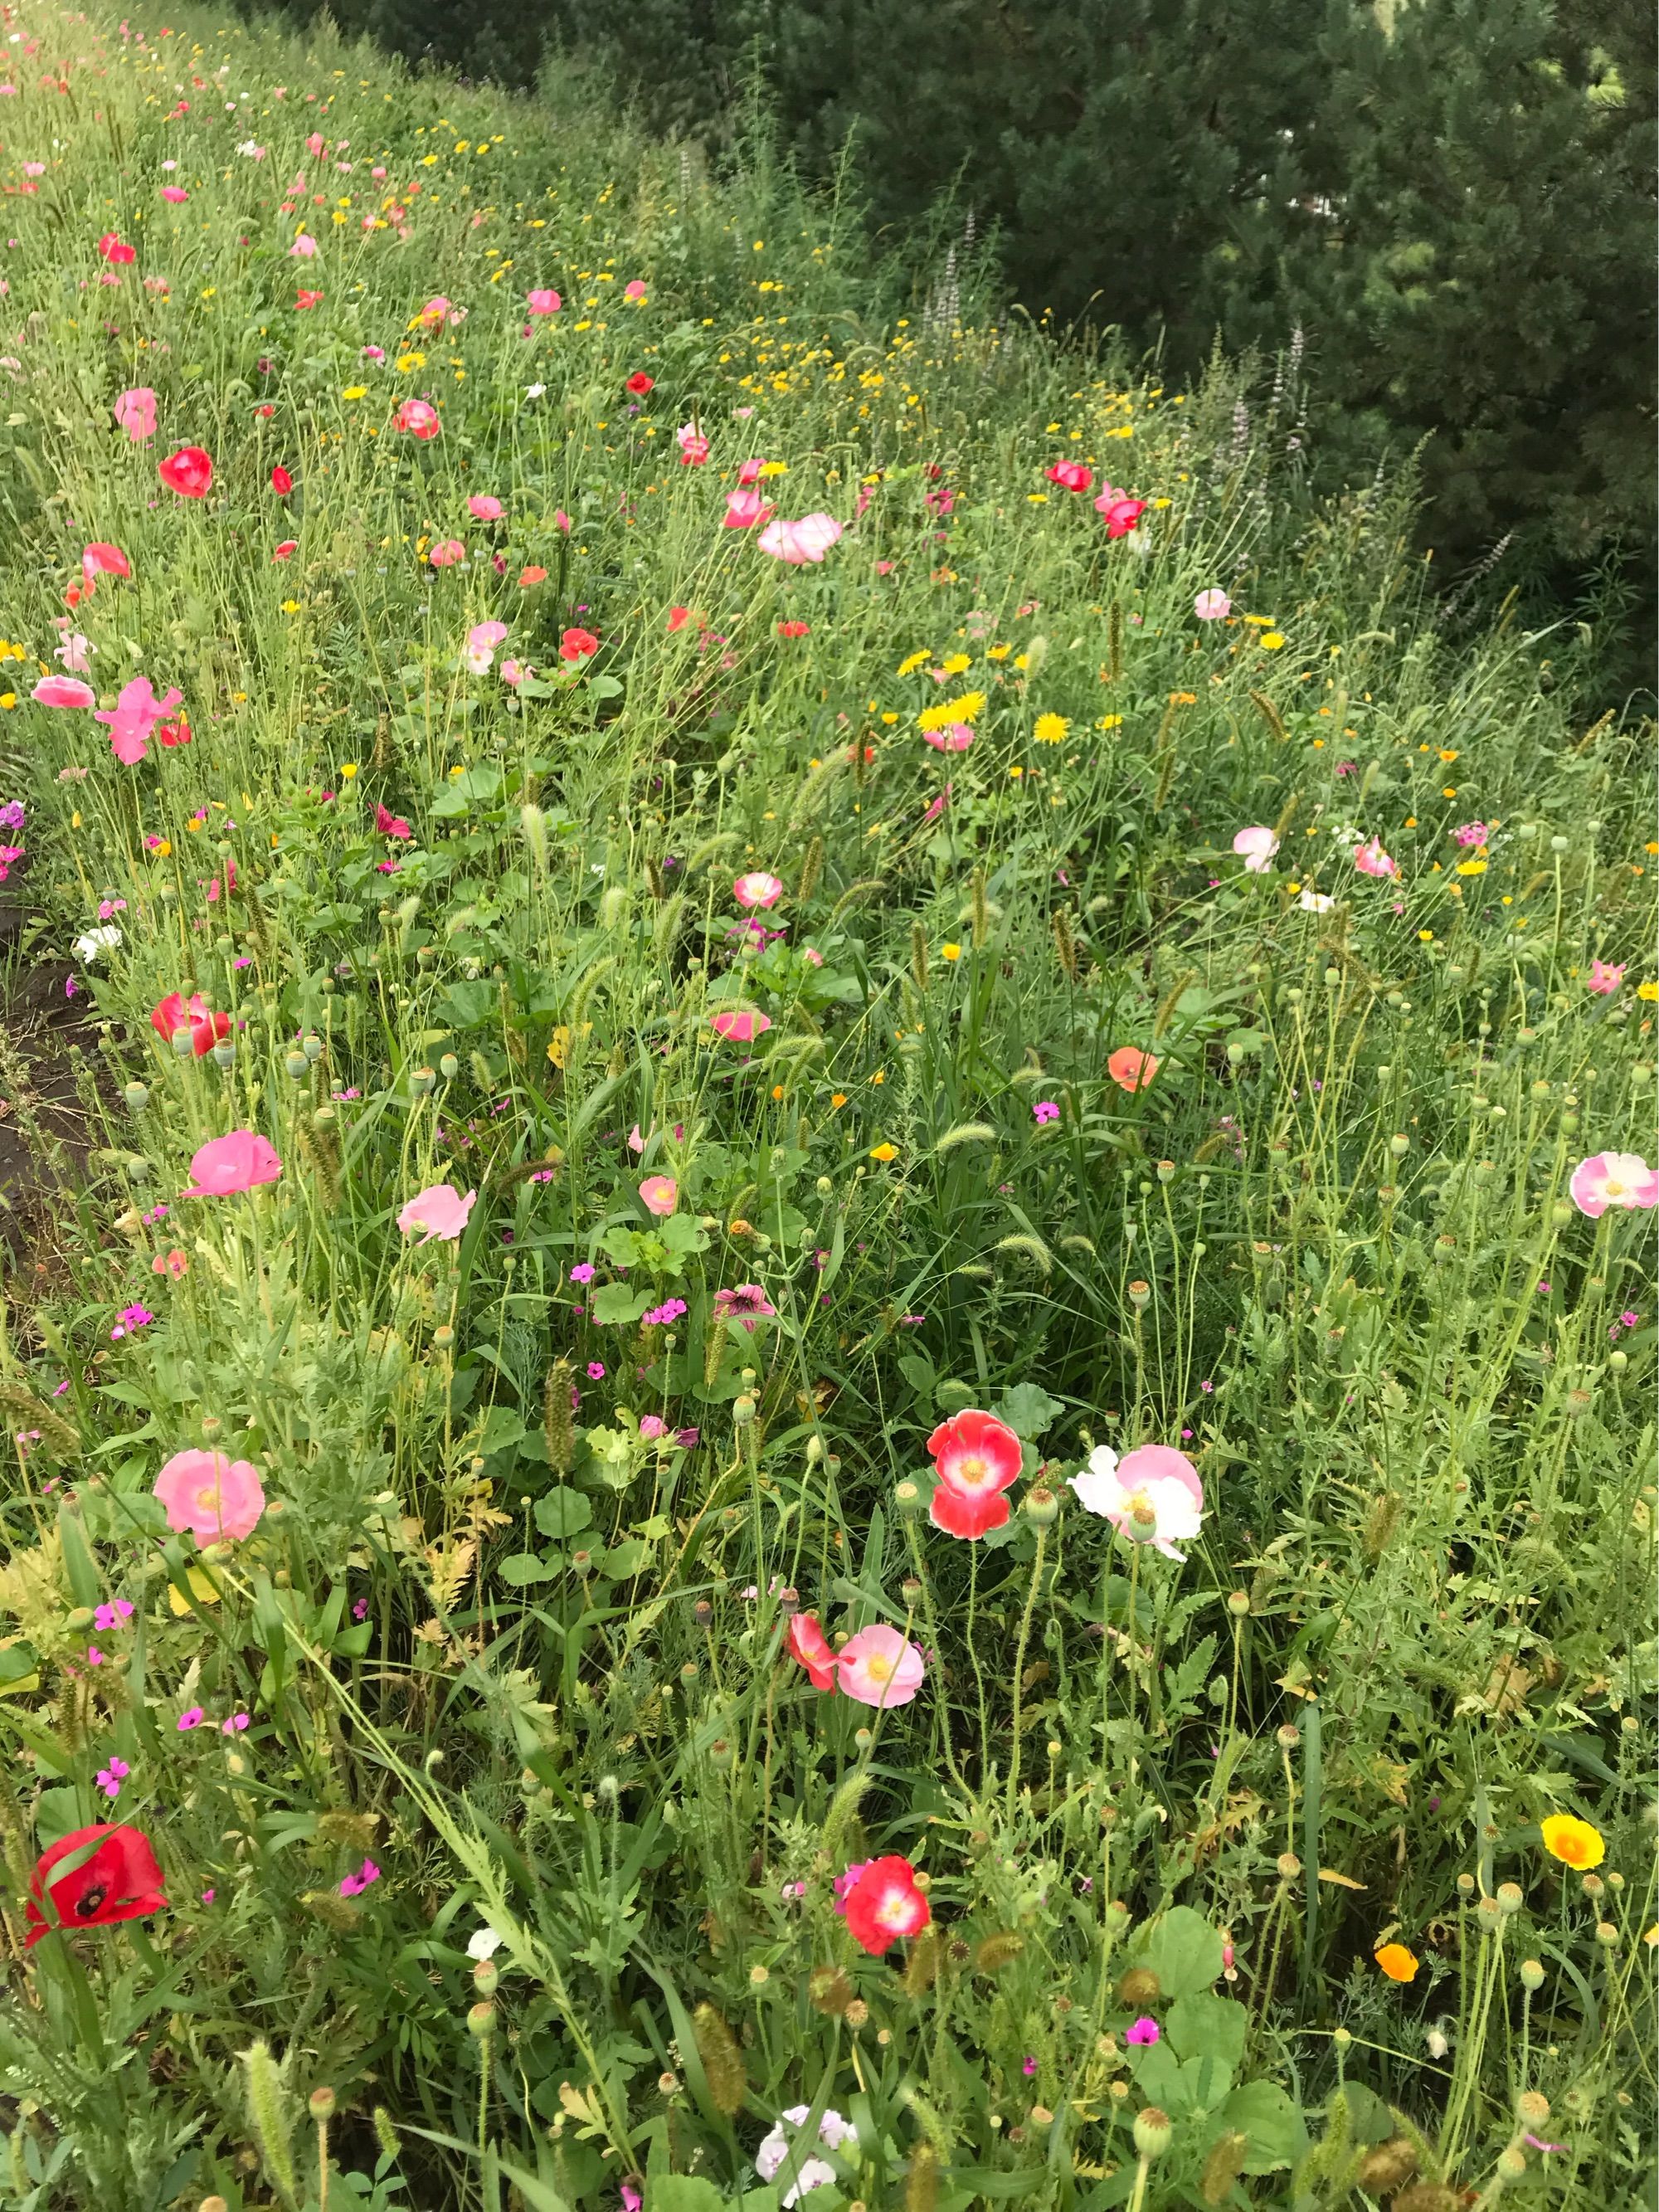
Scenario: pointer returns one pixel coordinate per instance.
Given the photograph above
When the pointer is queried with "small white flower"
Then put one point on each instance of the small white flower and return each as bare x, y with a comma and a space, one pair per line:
1438, 2042
1315, 901
812, 2173
92, 942
534, 391
484, 1944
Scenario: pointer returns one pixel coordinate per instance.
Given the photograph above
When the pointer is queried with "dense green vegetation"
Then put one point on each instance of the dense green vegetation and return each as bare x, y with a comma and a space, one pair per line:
847, 1394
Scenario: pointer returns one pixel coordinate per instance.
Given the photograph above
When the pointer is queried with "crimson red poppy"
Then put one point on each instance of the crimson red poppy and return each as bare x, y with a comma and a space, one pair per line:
808, 1643
189, 471
117, 1879
977, 1457
281, 482
882, 1904
173, 1013
112, 249
289, 545
578, 645
638, 384
794, 629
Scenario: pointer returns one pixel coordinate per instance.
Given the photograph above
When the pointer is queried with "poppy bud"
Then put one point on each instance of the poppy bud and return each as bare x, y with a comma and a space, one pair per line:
1140, 1295
1512, 2163
481, 2020
1239, 1603
1152, 2132
907, 1498
1043, 1507
320, 2103
1532, 2110
423, 1082
449, 1067
1138, 1988
485, 1977
137, 1095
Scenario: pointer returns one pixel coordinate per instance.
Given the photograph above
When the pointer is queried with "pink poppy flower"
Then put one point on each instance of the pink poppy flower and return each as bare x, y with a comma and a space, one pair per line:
388, 824
114, 250
954, 737
419, 417
880, 1902
744, 509
189, 471
748, 472
1152, 1495
447, 553
798, 542
1603, 980
486, 507
1212, 605
1622, 1179
170, 1015
304, 247
1372, 861
808, 1643
175, 195
64, 691
225, 1165
101, 558
1121, 513
441, 1211
1071, 475
134, 716
135, 413
694, 446
634, 290
217, 1498
75, 652
739, 1025
543, 301
880, 1668
757, 889
976, 1457
659, 1194
440, 313
480, 642
1257, 846
578, 645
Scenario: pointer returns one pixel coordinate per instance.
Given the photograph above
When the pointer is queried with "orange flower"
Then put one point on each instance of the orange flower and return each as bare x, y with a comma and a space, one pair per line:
1131, 1069
532, 576
1575, 1843
1399, 1964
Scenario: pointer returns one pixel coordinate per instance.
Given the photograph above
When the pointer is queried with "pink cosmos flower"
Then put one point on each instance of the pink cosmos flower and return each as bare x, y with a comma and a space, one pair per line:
739, 1025
744, 509
1120, 513
1071, 475
217, 1498
225, 1165
480, 642
659, 1194
1212, 605
880, 1668
1152, 1495
1622, 1179
135, 413
63, 691
419, 417
441, 1211
447, 553
757, 889
694, 446
486, 507
798, 542
543, 301
1257, 847
134, 716
1371, 860
1603, 980
745, 1304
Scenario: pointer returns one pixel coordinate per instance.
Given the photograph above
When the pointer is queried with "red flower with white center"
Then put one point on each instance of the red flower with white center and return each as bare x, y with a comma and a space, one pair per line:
884, 1905
116, 1879
808, 1643
977, 1457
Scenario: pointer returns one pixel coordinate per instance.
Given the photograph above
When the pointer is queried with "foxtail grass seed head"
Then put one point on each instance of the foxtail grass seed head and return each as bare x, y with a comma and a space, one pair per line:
722, 2061
1222, 2168
1388, 2166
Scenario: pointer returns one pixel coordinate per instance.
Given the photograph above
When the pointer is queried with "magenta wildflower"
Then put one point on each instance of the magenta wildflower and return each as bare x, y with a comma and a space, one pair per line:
745, 1305
1145, 2030
192, 1718
111, 1615
111, 1778
596, 1371
353, 1885
1045, 1110
234, 1725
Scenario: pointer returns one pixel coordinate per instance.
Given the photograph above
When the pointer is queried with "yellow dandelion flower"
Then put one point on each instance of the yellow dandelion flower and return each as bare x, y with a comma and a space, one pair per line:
1051, 729
960, 709
912, 661
1270, 641
955, 664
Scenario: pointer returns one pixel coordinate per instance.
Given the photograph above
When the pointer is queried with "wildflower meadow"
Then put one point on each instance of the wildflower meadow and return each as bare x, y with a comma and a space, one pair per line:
830, 1379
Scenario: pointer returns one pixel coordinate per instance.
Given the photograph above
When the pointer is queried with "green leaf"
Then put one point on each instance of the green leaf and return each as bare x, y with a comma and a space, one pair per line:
684, 2192
614, 1303
561, 1513
524, 1568
1184, 1952
1273, 2122
626, 1558
1205, 2025
1029, 1411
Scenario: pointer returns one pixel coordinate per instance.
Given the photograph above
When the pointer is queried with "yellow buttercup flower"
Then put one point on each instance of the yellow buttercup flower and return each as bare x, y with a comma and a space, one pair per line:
1574, 1842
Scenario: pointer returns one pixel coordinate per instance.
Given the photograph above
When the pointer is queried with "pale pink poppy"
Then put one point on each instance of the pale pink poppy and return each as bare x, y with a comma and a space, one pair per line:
480, 642
135, 413
1257, 846
543, 301
798, 542
441, 1211
486, 507
101, 558
659, 1194
1371, 860
1621, 1179
513, 672
954, 737
880, 1668
757, 889
217, 1498
1213, 606
63, 691
744, 510
226, 1165
440, 312
1152, 1495
304, 248
134, 716
76, 652
1603, 980
447, 553
739, 1025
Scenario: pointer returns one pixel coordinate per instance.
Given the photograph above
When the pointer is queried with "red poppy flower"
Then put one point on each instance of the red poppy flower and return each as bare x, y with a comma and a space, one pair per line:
808, 1643
977, 1457
281, 482
578, 645
883, 1905
117, 1880
532, 576
289, 545
1131, 1069
266, 411
172, 1014
114, 250
303, 299
638, 384
794, 629
189, 471
390, 824
175, 733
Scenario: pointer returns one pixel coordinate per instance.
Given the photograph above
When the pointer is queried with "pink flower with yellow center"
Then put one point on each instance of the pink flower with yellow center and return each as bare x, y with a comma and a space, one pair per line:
1152, 1495
1622, 1179
880, 1668
215, 1498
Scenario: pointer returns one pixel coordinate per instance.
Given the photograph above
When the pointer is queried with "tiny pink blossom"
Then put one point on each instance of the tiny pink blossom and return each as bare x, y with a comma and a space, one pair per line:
1144, 2031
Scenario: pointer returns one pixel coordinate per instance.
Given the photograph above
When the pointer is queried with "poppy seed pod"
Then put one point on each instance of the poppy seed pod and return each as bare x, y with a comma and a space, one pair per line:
1153, 2130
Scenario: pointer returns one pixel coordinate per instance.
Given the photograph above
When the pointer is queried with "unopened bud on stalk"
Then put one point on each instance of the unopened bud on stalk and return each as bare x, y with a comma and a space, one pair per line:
1531, 2109
1289, 1866
423, 1082
1153, 2130
1512, 2163
1239, 1603
481, 2020
1289, 1737
1043, 1507
743, 1410
486, 1978
137, 1095
1399, 1145
320, 2103
1140, 1295
908, 1497
1509, 1898
911, 1591
1166, 1170
449, 1067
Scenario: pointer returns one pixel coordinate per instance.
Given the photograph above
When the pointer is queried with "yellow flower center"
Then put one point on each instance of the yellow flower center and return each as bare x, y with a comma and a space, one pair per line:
972, 1471
878, 1669
208, 1498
